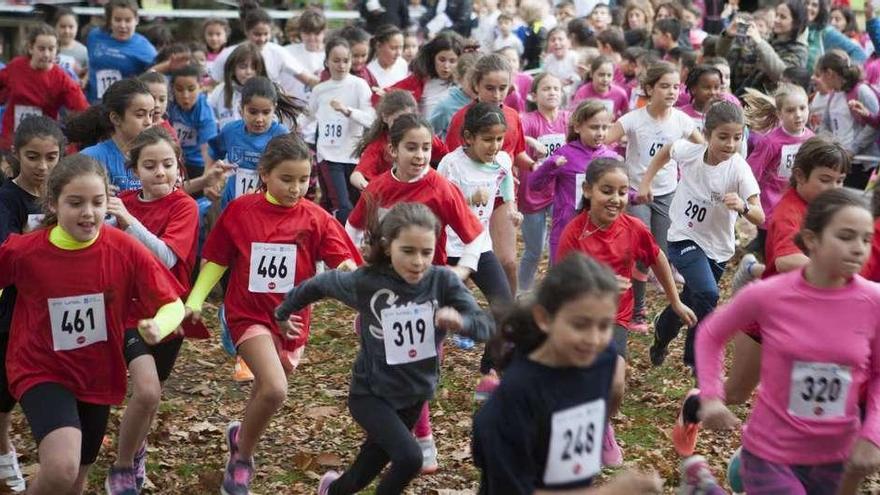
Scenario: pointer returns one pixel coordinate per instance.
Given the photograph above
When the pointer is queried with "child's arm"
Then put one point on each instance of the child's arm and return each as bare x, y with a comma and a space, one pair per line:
615, 133
547, 172
210, 274
663, 271
659, 161
473, 321
127, 222
163, 323
755, 214
333, 283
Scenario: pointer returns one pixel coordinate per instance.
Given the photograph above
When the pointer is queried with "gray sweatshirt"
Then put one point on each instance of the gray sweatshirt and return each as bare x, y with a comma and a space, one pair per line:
379, 293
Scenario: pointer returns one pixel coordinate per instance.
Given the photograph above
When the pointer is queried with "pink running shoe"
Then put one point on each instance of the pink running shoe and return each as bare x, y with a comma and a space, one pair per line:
612, 455
327, 480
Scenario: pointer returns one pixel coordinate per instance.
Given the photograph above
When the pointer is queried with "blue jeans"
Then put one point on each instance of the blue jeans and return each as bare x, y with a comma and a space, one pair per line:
534, 232
701, 275
341, 193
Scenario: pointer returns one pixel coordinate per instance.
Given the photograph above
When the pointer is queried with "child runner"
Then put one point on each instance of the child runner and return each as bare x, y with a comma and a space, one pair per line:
310, 52
538, 432
399, 341
341, 106
545, 130
814, 361
459, 95
385, 62
561, 61
716, 186
36, 85
602, 88
158, 86
431, 76
165, 220
564, 170
270, 242
243, 63
67, 338
72, 55
413, 180
521, 82
192, 118
703, 84
647, 130
38, 146
604, 231
116, 51
482, 172
372, 151
359, 44
215, 34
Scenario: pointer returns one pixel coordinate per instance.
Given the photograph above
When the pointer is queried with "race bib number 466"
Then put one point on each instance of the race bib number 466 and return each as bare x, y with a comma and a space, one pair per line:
273, 267
77, 321
818, 390
408, 333
575, 443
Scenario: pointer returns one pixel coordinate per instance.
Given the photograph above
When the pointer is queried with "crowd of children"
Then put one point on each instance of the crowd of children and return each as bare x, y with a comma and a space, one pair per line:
395, 170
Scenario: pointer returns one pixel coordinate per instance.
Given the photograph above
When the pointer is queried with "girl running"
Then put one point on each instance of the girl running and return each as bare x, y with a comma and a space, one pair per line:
192, 118
270, 242
38, 146
647, 130
72, 55
372, 149
545, 130
814, 361
561, 61
36, 85
116, 51
402, 371
67, 338
158, 86
244, 63
341, 106
601, 87
564, 170
431, 72
703, 84
165, 220
359, 44
716, 186
558, 382
215, 34
385, 63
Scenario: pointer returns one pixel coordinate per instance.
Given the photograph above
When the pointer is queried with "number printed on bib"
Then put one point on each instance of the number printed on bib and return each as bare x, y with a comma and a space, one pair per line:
786, 159
22, 111
77, 321
819, 390
552, 142
575, 443
409, 333
332, 131
273, 268
105, 78
246, 181
579, 180
655, 148
609, 106
185, 134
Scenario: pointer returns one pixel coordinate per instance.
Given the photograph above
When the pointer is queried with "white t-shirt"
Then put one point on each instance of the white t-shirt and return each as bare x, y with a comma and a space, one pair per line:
480, 184
505, 41
338, 134
397, 72
312, 62
645, 137
217, 102
277, 61
435, 91
697, 211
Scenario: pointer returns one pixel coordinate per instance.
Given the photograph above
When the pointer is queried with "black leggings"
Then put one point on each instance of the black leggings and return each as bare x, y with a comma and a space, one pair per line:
389, 439
492, 281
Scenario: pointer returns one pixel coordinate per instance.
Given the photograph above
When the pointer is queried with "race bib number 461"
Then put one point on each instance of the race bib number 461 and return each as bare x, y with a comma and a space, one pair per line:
575, 443
273, 267
408, 333
819, 390
77, 321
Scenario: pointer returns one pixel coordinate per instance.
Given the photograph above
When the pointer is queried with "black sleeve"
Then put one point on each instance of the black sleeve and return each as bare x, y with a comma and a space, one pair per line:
9, 223
477, 324
503, 449
332, 283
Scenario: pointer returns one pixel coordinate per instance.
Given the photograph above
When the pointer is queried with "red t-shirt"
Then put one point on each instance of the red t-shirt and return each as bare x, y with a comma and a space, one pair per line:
433, 191
111, 272
514, 140
784, 225
871, 270
175, 220
375, 160
624, 242
249, 223
29, 91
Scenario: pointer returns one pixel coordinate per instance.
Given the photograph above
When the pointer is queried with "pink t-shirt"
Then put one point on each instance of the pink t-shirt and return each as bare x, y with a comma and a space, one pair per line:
615, 100
551, 135
772, 161
814, 363
518, 97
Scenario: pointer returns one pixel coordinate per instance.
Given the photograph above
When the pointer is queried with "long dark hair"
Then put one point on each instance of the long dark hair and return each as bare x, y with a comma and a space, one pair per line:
382, 232
93, 125
392, 102
286, 107
822, 209
423, 65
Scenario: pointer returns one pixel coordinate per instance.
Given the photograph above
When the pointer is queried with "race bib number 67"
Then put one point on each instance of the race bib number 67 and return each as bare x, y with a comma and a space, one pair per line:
575, 443
819, 390
77, 321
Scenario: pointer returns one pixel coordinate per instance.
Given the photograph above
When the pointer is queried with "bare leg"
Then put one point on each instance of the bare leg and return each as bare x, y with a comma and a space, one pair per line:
745, 371
504, 242
268, 393
59, 455
141, 409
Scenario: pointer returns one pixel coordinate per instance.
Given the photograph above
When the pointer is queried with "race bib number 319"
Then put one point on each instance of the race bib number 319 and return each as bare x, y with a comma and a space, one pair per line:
575, 443
408, 333
77, 321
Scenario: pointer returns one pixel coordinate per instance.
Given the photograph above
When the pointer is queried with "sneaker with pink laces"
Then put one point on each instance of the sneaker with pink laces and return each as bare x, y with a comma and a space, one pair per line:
612, 454
639, 322
327, 480
237, 478
697, 479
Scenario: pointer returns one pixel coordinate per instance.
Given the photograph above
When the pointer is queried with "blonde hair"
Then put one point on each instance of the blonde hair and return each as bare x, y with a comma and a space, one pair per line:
585, 111
762, 111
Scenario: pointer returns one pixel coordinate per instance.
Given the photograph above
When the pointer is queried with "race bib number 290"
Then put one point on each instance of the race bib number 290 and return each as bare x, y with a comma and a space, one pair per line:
77, 321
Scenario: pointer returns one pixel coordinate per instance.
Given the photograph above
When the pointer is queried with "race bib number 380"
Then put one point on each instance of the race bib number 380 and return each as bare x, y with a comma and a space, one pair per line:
77, 321
818, 390
575, 443
408, 333
273, 267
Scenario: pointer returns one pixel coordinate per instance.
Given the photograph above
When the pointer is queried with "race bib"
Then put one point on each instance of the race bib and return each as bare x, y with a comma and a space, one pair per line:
654, 148
185, 134
609, 107
77, 321
22, 111
818, 390
66, 62
408, 333
34, 220
575, 443
246, 181
786, 159
332, 131
273, 268
552, 142
579, 180
105, 78
695, 212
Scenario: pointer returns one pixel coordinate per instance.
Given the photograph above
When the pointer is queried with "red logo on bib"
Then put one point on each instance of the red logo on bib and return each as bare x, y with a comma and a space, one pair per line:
412, 353
576, 469
271, 285
818, 411
80, 340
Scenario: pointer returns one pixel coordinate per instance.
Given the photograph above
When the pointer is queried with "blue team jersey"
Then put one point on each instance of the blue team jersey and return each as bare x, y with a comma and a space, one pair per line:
194, 128
109, 155
238, 146
111, 60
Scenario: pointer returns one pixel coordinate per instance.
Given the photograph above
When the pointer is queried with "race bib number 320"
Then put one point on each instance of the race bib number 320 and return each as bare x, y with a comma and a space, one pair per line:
273, 267
77, 321
575, 443
819, 391
408, 333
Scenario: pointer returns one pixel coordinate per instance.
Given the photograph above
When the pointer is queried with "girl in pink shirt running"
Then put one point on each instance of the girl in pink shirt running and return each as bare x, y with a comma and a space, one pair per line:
804, 434
601, 87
